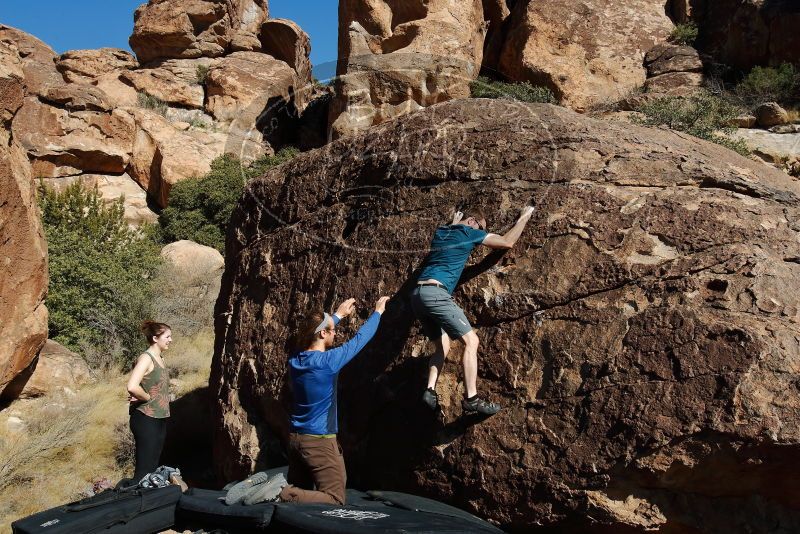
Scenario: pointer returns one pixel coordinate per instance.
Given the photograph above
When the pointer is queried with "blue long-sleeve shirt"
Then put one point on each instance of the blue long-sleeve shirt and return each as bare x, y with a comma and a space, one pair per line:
314, 376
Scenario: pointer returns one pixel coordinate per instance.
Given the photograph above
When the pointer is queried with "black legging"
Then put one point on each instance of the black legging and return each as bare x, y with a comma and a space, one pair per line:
149, 433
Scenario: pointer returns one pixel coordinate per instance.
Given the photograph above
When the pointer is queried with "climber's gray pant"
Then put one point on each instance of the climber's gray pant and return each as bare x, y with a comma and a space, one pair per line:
438, 312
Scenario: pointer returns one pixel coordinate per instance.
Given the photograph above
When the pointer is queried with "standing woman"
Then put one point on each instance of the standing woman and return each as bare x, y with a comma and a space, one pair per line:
148, 386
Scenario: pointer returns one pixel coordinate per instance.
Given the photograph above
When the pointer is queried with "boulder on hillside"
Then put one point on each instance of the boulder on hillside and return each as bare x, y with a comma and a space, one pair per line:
746, 33
587, 52
186, 29
56, 369
771, 114
398, 57
641, 335
23, 255
61, 142
34, 58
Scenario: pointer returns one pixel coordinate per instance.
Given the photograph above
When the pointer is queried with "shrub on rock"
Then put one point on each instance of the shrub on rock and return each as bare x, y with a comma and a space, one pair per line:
769, 84
485, 87
199, 209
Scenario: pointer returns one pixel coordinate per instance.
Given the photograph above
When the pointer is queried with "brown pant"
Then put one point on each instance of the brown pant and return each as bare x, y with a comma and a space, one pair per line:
315, 463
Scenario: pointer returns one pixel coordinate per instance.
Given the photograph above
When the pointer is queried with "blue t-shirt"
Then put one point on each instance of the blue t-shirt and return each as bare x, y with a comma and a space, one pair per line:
314, 376
450, 249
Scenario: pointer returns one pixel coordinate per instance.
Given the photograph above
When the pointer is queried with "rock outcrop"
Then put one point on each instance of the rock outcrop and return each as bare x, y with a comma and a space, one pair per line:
187, 29
56, 369
586, 52
163, 155
197, 270
23, 255
642, 335
35, 59
398, 57
746, 33
771, 114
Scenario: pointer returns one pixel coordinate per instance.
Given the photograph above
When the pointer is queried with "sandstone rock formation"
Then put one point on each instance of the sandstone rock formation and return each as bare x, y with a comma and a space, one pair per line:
61, 142
23, 256
163, 155
746, 33
587, 52
397, 57
642, 335
56, 369
673, 70
102, 68
85, 66
284, 40
34, 58
173, 81
111, 188
172, 29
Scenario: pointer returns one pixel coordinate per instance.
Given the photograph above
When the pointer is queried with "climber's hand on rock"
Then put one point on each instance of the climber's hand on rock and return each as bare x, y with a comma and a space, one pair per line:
527, 212
380, 306
457, 217
346, 308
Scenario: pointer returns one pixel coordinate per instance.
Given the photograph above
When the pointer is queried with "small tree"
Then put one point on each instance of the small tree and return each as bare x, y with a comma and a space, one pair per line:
702, 115
769, 84
100, 273
199, 209
684, 34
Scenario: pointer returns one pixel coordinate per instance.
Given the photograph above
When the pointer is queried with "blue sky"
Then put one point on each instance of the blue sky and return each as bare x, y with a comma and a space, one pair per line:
74, 24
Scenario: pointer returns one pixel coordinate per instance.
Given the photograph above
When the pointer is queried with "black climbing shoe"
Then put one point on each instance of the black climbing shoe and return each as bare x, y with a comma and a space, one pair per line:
431, 399
480, 406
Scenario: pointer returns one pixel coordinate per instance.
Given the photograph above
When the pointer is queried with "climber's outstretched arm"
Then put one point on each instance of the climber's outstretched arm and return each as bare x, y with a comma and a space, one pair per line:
510, 238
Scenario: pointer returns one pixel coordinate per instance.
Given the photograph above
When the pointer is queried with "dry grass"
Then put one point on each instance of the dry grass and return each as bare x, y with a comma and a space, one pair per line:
72, 441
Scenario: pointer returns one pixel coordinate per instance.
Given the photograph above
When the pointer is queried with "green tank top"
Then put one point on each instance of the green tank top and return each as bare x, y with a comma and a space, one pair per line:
156, 384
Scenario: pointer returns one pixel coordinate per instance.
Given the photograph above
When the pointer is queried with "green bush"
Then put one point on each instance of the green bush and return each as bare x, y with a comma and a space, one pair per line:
703, 115
769, 84
100, 273
199, 209
684, 34
201, 73
148, 101
484, 87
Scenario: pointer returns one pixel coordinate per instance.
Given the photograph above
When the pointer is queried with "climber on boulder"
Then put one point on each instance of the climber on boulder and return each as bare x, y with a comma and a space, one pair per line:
316, 466
442, 319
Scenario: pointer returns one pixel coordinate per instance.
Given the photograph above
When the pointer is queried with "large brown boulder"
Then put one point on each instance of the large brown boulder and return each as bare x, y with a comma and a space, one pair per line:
172, 29
240, 86
586, 52
397, 57
23, 256
641, 336
746, 33
33, 57
284, 39
66, 142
